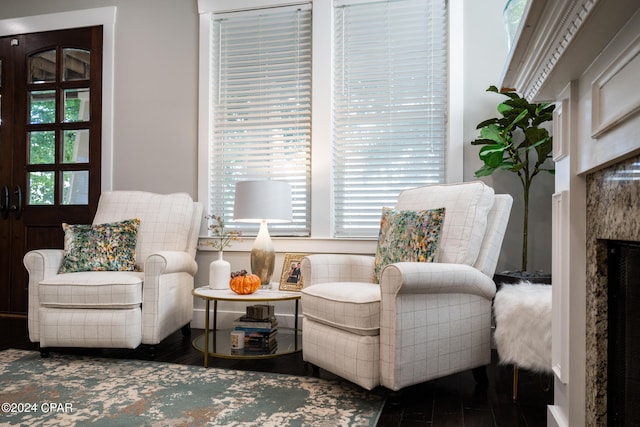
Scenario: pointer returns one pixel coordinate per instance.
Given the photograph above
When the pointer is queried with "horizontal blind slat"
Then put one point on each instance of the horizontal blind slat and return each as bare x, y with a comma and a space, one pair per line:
262, 109
390, 104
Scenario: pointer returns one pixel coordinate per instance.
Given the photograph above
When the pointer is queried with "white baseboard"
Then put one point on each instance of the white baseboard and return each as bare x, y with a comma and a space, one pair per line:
556, 417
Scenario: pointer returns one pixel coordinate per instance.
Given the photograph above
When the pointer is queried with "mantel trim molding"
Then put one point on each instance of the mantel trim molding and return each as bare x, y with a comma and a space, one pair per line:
557, 40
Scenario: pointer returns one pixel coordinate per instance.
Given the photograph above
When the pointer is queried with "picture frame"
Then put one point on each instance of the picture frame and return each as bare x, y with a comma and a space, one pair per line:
291, 278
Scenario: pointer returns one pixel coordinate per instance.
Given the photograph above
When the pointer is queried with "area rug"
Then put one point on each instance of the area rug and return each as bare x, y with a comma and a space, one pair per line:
69, 390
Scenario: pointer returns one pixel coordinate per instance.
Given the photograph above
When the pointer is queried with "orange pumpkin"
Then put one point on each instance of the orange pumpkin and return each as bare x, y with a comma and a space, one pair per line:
244, 283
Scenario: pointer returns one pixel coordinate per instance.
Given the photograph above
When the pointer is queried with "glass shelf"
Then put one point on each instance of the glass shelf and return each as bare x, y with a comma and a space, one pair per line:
289, 341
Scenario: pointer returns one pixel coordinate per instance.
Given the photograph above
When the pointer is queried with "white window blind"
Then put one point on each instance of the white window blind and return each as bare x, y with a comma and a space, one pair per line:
390, 106
261, 108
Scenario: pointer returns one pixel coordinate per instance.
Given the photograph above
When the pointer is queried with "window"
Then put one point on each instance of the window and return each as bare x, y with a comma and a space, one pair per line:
262, 107
370, 119
390, 103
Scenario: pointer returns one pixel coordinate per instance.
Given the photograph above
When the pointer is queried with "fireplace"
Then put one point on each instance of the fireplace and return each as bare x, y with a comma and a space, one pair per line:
613, 294
623, 394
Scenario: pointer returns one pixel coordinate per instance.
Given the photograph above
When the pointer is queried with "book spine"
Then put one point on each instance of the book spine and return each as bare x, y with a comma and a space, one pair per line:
255, 325
261, 330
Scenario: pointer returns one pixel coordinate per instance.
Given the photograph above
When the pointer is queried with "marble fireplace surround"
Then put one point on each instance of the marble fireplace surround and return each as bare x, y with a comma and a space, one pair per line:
613, 213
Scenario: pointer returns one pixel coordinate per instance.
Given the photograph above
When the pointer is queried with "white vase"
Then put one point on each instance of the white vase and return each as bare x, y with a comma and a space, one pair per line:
219, 273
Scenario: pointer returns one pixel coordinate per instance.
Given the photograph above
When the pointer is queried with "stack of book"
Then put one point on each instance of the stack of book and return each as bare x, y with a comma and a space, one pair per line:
260, 328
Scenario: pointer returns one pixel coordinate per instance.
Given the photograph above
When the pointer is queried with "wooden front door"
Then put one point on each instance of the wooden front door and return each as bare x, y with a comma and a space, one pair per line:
50, 145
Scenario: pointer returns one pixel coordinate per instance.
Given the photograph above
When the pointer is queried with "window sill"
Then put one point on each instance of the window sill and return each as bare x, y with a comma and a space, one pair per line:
303, 245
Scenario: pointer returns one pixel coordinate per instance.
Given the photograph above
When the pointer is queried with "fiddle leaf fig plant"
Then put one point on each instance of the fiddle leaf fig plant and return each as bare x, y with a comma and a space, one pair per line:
516, 142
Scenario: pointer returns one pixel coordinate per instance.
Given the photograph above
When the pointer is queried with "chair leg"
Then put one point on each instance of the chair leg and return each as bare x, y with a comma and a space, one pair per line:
44, 352
480, 375
395, 397
152, 351
515, 383
315, 370
186, 330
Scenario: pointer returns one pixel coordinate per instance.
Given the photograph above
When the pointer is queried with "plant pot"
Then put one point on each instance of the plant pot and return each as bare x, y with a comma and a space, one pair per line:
511, 277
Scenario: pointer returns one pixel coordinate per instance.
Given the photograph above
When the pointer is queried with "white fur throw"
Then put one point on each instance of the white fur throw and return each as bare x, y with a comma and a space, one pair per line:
523, 325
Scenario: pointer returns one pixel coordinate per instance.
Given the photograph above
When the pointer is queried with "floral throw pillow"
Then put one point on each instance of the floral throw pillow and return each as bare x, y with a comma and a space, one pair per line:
101, 247
407, 236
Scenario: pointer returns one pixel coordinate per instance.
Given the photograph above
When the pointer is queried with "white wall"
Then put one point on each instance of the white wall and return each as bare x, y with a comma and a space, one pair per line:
155, 96
485, 53
156, 99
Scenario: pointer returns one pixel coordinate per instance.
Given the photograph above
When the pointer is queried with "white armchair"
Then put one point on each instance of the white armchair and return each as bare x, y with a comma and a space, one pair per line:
121, 309
424, 320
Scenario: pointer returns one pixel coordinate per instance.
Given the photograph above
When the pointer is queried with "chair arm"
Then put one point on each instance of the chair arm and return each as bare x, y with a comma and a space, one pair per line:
324, 268
435, 278
165, 262
42, 263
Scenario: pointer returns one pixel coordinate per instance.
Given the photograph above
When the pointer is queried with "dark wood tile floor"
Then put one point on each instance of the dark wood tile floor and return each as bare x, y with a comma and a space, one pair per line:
455, 400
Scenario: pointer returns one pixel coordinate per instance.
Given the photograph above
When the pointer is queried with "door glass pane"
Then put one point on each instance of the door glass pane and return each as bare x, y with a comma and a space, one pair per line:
41, 188
42, 106
75, 64
42, 67
76, 105
75, 188
76, 146
42, 147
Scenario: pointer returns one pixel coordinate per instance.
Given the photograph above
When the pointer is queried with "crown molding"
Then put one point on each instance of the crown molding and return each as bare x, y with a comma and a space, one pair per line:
557, 40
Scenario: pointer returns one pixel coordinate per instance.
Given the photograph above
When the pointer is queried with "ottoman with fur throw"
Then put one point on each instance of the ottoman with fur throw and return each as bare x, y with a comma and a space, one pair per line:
523, 327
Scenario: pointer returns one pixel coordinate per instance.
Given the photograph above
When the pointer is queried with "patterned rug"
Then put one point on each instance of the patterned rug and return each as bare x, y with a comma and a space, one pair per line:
66, 390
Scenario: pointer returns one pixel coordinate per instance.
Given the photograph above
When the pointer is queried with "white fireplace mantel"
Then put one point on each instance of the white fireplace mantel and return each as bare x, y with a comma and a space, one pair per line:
584, 56
558, 39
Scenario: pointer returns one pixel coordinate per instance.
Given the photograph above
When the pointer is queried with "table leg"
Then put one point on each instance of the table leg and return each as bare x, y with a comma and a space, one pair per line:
295, 328
215, 325
206, 334
215, 315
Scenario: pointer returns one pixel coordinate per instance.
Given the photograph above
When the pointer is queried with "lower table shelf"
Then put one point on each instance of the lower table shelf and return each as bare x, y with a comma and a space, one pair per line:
289, 341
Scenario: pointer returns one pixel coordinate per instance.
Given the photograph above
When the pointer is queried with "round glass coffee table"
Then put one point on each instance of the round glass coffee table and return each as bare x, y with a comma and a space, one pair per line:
217, 342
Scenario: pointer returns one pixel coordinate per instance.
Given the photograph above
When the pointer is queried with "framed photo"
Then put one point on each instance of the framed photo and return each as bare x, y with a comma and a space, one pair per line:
291, 279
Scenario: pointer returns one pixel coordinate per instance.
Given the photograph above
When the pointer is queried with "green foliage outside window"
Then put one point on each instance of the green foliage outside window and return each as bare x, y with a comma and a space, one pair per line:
42, 148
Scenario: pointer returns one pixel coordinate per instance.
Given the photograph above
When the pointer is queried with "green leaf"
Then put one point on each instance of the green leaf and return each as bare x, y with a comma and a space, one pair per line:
490, 149
482, 141
493, 133
492, 155
487, 123
484, 171
504, 108
517, 167
520, 116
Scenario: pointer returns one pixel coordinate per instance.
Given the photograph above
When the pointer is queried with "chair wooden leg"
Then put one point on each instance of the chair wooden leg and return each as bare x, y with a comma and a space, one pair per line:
44, 352
315, 370
395, 398
515, 383
186, 330
152, 351
480, 375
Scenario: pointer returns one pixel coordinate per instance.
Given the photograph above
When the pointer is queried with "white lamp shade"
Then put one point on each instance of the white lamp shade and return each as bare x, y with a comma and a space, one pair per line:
262, 201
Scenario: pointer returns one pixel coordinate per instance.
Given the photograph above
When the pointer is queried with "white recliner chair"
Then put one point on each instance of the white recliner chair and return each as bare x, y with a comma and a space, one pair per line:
424, 320
120, 309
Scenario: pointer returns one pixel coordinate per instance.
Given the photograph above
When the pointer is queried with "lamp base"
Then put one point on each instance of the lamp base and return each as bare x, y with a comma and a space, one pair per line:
263, 257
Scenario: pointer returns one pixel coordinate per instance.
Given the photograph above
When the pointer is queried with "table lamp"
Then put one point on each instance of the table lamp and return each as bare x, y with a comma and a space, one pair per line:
262, 202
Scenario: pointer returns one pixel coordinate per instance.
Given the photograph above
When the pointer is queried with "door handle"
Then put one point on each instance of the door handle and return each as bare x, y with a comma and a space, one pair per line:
16, 208
4, 202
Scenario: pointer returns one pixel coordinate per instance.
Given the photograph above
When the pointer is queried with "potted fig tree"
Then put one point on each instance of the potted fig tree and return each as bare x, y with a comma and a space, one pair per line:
516, 142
